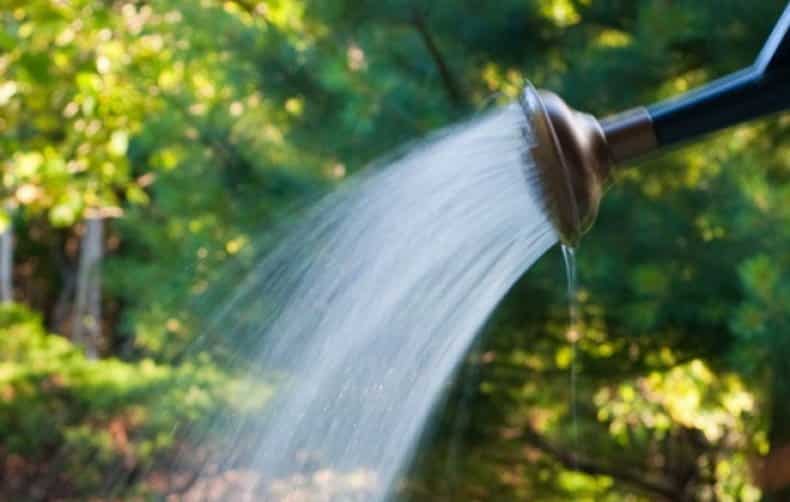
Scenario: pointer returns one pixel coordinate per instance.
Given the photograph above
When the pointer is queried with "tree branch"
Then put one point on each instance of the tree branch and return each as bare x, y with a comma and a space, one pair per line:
451, 86
575, 462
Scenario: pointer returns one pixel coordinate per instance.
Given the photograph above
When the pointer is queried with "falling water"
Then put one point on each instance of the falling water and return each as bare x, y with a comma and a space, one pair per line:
569, 256
361, 316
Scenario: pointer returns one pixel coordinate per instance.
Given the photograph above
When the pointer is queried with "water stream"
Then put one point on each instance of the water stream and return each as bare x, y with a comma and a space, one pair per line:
360, 317
574, 333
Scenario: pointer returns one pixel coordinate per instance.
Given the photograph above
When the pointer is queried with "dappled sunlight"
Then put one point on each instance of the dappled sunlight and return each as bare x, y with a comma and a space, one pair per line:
152, 151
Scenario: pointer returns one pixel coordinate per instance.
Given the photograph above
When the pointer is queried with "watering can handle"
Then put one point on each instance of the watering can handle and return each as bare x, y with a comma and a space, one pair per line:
761, 89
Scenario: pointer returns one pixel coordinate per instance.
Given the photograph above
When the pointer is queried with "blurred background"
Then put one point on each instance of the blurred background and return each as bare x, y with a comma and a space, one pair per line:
150, 148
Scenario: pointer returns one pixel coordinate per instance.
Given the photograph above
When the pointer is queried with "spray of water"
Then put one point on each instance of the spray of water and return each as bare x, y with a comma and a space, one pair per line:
361, 316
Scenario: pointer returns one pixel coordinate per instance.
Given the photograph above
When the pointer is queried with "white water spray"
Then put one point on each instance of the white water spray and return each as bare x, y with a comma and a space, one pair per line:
365, 311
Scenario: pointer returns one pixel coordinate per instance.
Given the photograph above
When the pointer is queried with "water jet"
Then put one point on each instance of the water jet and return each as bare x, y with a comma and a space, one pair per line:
359, 318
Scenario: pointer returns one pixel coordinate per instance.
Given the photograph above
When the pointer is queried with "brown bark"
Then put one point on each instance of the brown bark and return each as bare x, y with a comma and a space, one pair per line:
773, 475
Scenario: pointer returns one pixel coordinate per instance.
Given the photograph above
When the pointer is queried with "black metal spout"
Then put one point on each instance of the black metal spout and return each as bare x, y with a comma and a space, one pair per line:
761, 89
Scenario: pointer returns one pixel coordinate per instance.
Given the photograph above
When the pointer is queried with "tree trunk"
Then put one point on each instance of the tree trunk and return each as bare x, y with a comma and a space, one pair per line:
6, 264
774, 476
87, 311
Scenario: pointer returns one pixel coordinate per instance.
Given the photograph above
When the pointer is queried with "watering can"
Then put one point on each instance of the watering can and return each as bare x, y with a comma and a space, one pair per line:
575, 152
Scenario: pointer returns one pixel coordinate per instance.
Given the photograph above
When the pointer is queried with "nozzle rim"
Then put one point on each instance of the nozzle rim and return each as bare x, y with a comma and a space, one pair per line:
552, 166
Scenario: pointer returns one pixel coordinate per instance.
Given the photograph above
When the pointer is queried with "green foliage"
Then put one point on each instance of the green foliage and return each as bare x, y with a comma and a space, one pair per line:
90, 418
207, 124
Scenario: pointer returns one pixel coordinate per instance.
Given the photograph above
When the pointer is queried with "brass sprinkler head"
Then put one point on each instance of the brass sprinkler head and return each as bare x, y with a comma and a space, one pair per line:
575, 153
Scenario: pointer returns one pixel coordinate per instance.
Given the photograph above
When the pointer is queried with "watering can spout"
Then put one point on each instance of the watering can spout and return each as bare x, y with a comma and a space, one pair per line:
758, 90
576, 152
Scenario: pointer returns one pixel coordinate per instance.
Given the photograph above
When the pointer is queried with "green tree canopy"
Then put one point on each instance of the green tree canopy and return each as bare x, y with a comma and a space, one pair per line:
201, 127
